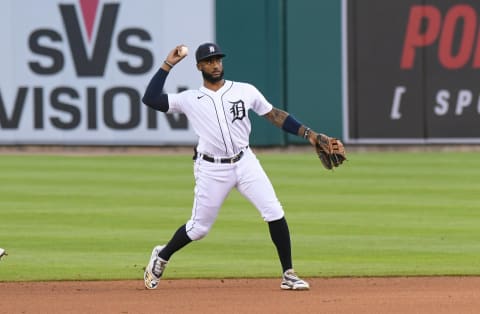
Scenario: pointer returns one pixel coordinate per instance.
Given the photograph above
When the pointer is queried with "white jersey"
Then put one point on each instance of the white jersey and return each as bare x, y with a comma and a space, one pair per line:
220, 118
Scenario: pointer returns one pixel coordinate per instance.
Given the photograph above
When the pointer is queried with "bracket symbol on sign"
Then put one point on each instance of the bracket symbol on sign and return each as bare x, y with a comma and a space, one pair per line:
397, 99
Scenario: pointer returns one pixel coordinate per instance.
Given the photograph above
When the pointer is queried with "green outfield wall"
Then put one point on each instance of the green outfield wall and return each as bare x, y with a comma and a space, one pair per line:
290, 50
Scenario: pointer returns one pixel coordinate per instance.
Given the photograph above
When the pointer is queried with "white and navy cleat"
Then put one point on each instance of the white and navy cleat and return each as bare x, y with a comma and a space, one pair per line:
154, 269
290, 281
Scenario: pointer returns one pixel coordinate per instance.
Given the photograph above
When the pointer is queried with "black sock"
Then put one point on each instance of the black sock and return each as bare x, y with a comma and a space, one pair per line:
179, 240
281, 238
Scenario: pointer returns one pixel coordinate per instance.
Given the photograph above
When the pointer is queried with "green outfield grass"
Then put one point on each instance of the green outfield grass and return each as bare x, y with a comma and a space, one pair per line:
382, 214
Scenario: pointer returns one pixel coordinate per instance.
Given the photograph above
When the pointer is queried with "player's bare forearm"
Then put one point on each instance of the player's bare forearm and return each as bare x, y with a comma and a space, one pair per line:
277, 117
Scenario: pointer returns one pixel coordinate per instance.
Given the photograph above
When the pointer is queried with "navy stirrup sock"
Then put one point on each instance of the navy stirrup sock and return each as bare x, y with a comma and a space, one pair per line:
281, 238
178, 241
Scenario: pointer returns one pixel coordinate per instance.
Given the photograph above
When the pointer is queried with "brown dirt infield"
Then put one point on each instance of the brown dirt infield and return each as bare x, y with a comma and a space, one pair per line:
327, 295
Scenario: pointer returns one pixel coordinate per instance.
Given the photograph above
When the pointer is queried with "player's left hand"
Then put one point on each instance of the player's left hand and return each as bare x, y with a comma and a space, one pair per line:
330, 151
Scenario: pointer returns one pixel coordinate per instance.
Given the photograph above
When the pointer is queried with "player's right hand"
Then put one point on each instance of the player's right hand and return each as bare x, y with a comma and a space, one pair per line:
173, 57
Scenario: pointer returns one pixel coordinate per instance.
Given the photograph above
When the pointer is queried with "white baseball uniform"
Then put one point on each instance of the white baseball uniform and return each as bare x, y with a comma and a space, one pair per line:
220, 119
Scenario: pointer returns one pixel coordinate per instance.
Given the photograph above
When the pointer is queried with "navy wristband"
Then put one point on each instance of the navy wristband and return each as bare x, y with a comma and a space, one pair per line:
291, 125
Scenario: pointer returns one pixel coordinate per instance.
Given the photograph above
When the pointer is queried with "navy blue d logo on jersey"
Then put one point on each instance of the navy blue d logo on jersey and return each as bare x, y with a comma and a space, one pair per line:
237, 110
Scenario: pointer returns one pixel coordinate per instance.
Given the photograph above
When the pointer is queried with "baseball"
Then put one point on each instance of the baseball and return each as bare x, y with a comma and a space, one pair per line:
182, 51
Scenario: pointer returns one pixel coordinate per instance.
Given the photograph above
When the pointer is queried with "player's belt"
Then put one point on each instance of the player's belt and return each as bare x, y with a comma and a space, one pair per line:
230, 160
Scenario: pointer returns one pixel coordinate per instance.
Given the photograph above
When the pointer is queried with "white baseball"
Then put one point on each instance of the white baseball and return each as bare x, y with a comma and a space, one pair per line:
182, 51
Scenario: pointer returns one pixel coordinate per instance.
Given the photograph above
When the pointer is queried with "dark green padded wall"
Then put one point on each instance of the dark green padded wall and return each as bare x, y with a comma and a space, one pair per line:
266, 40
313, 74
251, 33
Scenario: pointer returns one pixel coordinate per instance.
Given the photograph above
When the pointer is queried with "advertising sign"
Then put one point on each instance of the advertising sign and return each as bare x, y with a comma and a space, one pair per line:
411, 71
74, 71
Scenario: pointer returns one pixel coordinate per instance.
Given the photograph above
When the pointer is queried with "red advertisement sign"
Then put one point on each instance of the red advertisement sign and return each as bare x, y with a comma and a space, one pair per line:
411, 71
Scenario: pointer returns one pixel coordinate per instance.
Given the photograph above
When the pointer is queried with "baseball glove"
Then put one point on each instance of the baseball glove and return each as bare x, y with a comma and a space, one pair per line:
330, 151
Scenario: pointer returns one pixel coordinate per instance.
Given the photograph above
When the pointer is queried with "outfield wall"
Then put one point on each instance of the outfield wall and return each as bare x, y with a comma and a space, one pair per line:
370, 71
73, 72
411, 71
291, 50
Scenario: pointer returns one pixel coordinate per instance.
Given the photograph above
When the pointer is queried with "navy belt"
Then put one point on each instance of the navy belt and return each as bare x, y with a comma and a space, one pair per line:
230, 160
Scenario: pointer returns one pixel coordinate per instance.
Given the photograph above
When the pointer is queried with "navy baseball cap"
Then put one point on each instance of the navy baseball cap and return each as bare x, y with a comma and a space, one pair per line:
208, 50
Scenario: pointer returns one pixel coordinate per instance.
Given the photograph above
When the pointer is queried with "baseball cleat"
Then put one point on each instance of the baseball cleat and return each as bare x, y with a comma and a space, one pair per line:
290, 281
2, 253
154, 269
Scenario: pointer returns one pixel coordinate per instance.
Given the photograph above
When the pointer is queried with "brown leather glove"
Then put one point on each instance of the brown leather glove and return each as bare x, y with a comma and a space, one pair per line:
330, 151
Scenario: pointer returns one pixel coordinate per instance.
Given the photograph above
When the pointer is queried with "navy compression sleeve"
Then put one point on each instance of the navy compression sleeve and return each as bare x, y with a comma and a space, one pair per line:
154, 96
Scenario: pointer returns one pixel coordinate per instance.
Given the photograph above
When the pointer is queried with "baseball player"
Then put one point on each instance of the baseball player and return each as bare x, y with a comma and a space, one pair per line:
2, 253
218, 112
